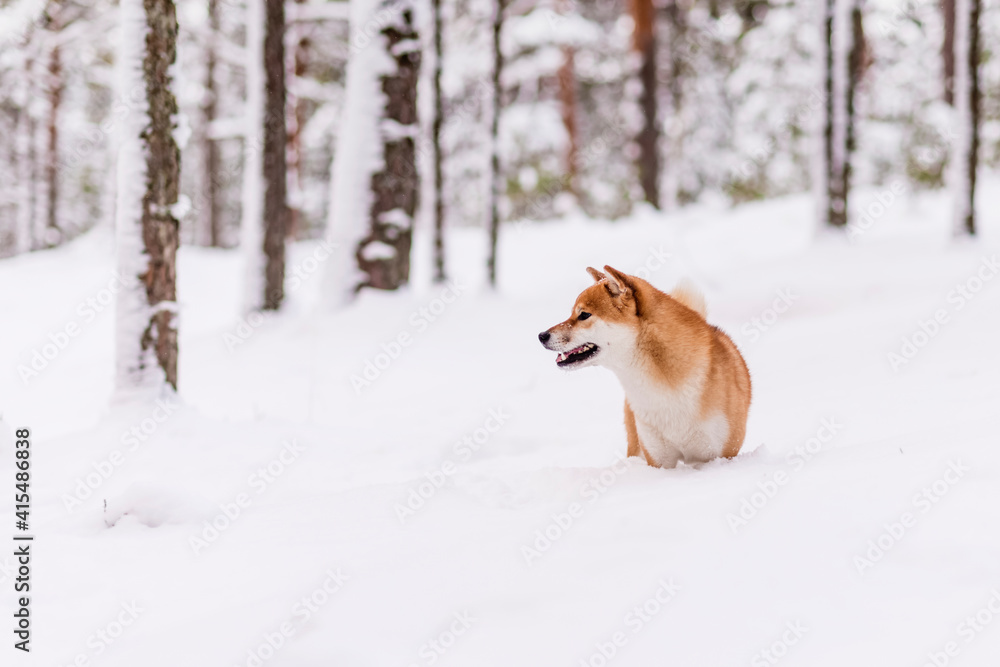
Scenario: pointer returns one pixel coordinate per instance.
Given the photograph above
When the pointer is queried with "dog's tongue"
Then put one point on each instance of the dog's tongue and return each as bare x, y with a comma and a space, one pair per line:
565, 355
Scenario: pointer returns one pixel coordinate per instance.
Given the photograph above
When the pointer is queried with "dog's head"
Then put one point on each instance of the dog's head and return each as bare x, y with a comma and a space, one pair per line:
603, 325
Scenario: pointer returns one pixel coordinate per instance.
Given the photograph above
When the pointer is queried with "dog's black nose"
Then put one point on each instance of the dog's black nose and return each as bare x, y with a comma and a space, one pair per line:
544, 336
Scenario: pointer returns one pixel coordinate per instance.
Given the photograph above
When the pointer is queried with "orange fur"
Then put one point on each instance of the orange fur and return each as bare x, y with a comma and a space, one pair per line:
630, 433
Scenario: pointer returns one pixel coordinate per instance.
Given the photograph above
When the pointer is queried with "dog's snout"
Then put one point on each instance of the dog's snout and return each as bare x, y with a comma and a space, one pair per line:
544, 336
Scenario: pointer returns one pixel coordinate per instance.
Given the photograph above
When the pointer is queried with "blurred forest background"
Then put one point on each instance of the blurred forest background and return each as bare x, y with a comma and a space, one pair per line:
472, 113
736, 82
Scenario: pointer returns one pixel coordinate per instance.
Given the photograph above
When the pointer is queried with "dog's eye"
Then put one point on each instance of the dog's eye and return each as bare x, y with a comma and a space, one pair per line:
583, 315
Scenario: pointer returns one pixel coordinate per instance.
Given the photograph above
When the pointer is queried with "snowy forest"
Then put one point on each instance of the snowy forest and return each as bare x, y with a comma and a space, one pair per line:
272, 274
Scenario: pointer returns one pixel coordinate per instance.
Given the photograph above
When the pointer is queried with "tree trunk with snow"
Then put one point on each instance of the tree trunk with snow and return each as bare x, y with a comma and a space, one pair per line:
265, 205
296, 116
26, 168
968, 98
148, 178
644, 43
496, 178
436, 126
383, 254
209, 210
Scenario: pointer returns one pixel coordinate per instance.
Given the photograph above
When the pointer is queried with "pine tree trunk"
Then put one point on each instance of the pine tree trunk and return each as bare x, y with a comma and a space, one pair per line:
975, 111
436, 126
566, 80
828, 166
295, 111
383, 255
566, 77
26, 169
855, 70
496, 185
836, 121
644, 42
676, 13
275, 171
210, 222
968, 102
948, 50
148, 173
55, 89
265, 198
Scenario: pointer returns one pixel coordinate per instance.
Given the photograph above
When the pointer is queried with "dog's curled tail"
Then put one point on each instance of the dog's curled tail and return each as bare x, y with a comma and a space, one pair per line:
690, 296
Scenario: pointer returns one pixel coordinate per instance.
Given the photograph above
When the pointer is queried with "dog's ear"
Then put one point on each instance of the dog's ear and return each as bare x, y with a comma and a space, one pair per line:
596, 275
618, 282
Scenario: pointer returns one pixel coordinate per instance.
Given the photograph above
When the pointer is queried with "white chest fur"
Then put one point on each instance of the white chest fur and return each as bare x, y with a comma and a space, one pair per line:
668, 419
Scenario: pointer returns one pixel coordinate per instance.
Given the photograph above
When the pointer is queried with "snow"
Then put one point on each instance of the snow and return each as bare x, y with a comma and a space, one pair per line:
304, 469
396, 217
18, 18
545, 27
318, 11
378, 250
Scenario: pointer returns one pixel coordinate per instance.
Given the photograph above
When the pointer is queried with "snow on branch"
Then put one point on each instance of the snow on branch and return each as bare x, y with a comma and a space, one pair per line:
317, 11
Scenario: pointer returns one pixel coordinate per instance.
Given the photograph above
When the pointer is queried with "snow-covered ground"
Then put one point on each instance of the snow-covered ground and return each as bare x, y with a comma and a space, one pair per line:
412, 481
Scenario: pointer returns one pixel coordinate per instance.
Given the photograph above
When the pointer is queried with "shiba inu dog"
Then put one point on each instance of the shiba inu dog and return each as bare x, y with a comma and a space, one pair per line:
687, 387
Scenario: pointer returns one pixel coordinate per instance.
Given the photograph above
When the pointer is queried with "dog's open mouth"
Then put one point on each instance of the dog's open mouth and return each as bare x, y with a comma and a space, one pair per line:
577, 355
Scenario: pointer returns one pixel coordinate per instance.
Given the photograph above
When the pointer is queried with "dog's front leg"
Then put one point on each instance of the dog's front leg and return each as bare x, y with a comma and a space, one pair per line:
630, 431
